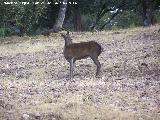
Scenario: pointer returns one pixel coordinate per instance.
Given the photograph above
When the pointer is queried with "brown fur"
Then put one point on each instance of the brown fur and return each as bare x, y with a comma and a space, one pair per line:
77, 51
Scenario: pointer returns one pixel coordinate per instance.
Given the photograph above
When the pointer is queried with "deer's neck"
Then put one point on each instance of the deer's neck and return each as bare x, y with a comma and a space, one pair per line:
68, 41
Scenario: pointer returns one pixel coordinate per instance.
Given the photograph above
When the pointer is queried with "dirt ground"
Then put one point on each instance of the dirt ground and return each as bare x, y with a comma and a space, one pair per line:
34, 82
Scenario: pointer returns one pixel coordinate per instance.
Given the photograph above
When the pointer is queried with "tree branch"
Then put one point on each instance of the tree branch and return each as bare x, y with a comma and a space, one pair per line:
113, 16
104, 10
99, 15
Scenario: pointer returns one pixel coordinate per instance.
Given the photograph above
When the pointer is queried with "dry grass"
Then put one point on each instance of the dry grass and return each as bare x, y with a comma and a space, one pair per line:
34, 78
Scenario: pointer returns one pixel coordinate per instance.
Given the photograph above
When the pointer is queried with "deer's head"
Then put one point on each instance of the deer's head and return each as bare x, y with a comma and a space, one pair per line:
67, 38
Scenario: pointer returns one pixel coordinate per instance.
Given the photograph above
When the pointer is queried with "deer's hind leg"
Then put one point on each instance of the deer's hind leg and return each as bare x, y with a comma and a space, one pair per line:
96, 61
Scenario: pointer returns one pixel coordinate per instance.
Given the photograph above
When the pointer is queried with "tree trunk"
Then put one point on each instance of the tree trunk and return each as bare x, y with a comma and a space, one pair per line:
97, 3
147, 12
77, 20
61, 16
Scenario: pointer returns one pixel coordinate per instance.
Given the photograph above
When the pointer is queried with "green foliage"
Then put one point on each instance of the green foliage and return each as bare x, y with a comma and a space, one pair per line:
5, 32
29, 17
114, 28
128, 19
86, 21
32, 19
157, 16
132, 25
2, 32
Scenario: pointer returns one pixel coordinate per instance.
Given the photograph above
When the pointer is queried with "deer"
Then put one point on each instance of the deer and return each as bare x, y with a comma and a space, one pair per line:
82, 50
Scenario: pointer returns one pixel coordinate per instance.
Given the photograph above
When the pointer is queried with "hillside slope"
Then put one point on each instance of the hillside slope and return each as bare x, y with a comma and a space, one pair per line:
34, 78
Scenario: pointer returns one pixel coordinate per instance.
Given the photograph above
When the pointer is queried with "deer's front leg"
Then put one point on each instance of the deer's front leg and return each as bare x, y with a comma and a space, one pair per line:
71, 68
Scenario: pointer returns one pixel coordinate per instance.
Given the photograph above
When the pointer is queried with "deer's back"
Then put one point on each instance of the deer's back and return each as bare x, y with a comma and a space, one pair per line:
82, 50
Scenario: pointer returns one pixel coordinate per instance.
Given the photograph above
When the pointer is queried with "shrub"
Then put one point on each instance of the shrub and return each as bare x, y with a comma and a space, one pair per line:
5, 32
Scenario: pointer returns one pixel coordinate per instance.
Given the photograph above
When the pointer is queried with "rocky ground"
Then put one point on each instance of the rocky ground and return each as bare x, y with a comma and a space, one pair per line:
34, 76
